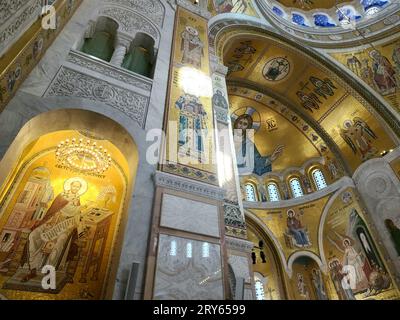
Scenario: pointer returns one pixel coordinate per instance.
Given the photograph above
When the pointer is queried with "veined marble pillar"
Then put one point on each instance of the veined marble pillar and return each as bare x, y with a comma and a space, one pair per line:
238, 248
187, 257
120, 51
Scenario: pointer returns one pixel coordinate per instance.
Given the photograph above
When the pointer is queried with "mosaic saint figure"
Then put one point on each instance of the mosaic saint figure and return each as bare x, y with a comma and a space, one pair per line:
354, 64
192, 47
251, 162
367, 74
354, 258
296, 229
339, 278
192, 126
319, 285
384, 73
55, 235
302, 287
224, 6
359, 136
219, 100
396, 59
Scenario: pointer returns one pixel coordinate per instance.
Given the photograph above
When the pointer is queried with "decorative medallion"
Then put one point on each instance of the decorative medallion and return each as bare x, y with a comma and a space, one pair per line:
276, 69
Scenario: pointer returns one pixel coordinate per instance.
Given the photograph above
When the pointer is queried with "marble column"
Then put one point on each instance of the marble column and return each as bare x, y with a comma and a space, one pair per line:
120, 51
238, 248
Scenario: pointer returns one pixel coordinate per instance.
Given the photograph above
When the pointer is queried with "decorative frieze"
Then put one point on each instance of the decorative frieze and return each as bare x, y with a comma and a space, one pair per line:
9, 8
166, 180
153, 9
72, 83
106, 69
130, 22
239, 244
18, 22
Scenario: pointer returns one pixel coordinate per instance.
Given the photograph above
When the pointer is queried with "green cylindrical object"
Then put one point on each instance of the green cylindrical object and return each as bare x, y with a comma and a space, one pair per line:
138, 60
101, 45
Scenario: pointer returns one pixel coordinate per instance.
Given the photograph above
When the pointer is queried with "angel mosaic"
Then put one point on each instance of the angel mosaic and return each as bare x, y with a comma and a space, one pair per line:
360, 137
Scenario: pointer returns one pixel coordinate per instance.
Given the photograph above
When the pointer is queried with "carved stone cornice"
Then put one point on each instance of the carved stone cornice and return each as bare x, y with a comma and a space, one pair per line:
239, 244
166, 180
105, 69
152, 9
130, 21
15, 17
72, 83
217, 66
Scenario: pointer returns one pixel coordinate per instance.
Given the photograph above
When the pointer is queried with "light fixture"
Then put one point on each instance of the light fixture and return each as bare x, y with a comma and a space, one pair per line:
83, 156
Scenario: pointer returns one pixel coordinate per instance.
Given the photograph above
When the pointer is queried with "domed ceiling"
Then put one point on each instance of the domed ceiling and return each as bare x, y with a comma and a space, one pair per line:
311, 4
264, 69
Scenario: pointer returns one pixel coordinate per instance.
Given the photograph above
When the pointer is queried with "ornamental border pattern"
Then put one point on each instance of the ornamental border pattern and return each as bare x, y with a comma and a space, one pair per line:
166, 180
71, 83
111, 71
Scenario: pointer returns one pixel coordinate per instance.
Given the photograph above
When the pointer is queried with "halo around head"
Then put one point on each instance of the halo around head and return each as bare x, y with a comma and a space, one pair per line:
250, 111
84, 185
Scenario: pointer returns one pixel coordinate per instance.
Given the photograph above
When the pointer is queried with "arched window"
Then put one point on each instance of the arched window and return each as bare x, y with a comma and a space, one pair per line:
372, 7
319, 179
140, 56
299, 20
99, 39
251, 193
323, 20
296, 188
278, 11
347, 14
273, 192
260, 294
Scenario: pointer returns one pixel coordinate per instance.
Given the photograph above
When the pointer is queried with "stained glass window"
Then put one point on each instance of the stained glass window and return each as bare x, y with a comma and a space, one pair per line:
250, 192
319, 179
299, 20
296, 188
323, 20
371, 7
347, 14
273, 192
278, 11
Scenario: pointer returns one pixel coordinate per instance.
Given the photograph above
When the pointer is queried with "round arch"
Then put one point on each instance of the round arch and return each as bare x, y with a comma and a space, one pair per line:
273, 245
36, 142
231, 24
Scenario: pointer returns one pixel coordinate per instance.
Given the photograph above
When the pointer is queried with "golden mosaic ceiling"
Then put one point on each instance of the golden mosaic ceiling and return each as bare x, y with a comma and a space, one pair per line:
280, 126
311, 4
270, 67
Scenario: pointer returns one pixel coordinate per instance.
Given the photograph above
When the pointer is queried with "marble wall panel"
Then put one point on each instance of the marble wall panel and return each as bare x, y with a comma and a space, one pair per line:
188, 270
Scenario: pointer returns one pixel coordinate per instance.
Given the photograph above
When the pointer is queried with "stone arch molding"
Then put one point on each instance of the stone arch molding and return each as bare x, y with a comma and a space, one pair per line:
308, 254
274, 240
129, 21
153, 9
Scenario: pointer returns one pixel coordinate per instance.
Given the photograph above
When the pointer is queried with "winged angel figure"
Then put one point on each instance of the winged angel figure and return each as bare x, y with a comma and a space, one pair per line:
359, 136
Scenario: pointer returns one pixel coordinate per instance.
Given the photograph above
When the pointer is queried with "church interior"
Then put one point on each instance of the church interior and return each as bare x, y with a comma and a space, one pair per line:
200, 150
